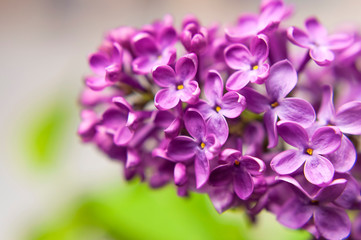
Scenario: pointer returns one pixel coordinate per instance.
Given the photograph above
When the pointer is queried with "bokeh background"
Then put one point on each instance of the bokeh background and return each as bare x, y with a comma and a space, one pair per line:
54, 187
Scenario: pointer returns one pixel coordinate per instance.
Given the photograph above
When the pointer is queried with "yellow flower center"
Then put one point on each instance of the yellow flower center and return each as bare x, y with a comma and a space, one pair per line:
180, 87
255, 67
309, 151
203, 145
275, 104
236, 162
218, 108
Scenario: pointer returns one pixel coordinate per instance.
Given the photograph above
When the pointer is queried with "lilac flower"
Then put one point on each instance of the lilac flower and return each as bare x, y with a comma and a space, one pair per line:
219, 106
238, 171
201, 145
87, 127
331, 221
177, 85
272, 12
107, 66
194, 37
152, 51
310, 150
250, 64
281, 81
321, 46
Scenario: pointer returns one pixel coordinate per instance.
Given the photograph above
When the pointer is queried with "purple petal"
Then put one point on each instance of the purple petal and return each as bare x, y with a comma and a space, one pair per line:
299, 37
296, 110
113, 119
348, 118
195, 124
242, 183
327, 110
213, 87
186, 67
322, 55
340, 41
281, 80
98, 62
180, 174
293, 134
174, 128
133, 158
123, 136
315, 29
232, 104
271, 14
164, 76
287, 161
217, 125
221, 175
167, 37
190, 92
350, 195
270, 119
344, 157
326, 140
202, 168
247, 27
240, 79
259, 47
166, 99
332, 223
221, 198
332, 191
237, 56
294, 213
97, 83
318, 170
182, 148
253, 165
144, 64
144, 44
256, 102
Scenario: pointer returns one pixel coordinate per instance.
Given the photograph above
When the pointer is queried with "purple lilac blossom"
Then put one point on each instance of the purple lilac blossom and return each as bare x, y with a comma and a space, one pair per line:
232, 118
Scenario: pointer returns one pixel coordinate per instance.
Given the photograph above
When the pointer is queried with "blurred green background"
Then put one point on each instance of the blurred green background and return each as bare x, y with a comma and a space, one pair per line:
55, 187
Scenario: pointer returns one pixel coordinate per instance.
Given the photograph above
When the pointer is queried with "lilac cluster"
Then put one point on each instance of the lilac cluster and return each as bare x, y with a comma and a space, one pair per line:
258, 115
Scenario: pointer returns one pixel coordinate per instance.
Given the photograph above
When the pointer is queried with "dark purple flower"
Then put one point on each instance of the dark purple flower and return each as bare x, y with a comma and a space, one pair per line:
311, 151
282, 79
321, 45
219, 106
250, 64
250, 25
201, 145
178, 85
152, 51
237, 171
331, 221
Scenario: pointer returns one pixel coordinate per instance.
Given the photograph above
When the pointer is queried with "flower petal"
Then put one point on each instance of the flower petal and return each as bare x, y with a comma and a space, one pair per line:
318, 170
293, 134
218, 125
322, 55
294, 213
344, 157
237, 56
195, 124
315, 29
270, 119
296, 110
253, 165
182, 148
98, 62
332, 223
221, 198
259, 47
202, 168
299, 37
144, 64
327, 110
164, 76
166, 99
213, 87
242, 183
348, 118
232, 104
281, 80
180, 174
240, 79
326, 140
186, 67
332, 191
97, 83
256, 102
123, 136
190, 92
221, 175
287, 161
143, 44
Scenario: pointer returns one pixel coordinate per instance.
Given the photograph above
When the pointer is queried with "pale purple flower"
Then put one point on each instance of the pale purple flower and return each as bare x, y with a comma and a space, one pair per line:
321, 45
152, 51
88, 124
311, 151
330, 221
219, 106
250, 25
249, 63
178, 85
237, 171
282, 79
201, 146
194, 37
